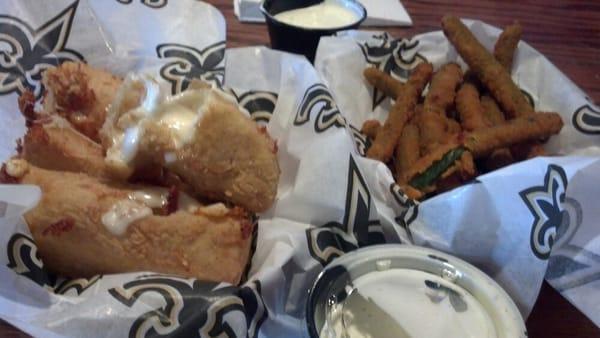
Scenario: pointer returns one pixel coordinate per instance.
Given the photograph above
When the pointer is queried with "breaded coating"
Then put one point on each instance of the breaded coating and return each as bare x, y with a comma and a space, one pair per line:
370, 128
26, 104
466, 166
426, 161
453, 127
531, 127
205, 139
491, 73
384, 82
504, 49
469, 108
407, 150
433, 127
383, 146
433, 120
481, 143
81, 94
57, 146
442, 89
461, 172
500, 157
491, 110
69, 226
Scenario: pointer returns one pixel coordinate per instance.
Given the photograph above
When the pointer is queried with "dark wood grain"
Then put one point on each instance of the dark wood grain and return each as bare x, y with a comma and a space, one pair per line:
567, 32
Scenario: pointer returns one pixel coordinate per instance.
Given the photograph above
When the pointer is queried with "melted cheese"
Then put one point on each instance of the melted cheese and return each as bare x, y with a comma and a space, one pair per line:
174, 117
139, 204
121, 214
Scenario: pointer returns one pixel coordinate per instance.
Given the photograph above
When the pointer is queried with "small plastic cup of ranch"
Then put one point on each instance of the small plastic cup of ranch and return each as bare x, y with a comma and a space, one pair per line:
401, 291
296, 26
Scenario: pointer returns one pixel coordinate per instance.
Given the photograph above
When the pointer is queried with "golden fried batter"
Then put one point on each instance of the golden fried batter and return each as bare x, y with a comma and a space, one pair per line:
407, 150
469, 108
491, 73
527, 128
402, 111
370, 128
204, 138
504, 49
57, 146
69, 226
81, 94
384, 82
442, 89
433, 122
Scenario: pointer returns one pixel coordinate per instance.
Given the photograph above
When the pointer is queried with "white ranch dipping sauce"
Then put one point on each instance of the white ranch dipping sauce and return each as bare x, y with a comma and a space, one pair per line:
328, 14
398, 304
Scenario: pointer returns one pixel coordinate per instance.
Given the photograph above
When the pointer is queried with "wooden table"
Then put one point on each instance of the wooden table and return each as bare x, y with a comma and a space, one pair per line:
565, 31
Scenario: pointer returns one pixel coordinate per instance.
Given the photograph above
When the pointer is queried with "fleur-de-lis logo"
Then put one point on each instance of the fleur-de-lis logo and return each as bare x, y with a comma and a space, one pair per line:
149, 3
193, 308
189, 63
392, 56
24, 260
550, 208
410, 207
260, 104
586, 119
77, 285
25, 53
317, 101
361, 141
333, 239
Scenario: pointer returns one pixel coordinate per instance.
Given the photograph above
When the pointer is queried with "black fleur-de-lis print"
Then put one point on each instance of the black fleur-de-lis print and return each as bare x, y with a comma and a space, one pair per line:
333, 239
586, 119
396, 57
193, 308
149, 3
25, 52
188, 63
550, 207
318, 102
260, 104
23, 259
